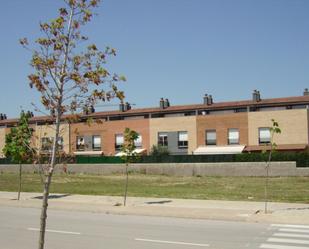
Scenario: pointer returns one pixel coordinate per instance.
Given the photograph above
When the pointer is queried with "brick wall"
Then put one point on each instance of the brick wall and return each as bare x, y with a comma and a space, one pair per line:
293, 125
174, 124
221, 123
108, 130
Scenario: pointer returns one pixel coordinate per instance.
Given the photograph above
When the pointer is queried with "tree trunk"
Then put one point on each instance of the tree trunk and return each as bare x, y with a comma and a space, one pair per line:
19, 187
126, 187
59, 112
266, 189
267, 180
47, 185
44, 210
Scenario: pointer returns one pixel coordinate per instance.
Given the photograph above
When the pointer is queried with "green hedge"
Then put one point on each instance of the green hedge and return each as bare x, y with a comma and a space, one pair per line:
187, 159
98, 159
6, 161
301, 159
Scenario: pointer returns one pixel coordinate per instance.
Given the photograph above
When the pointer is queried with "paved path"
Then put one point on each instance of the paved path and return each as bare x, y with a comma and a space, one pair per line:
284, 213
287, 236
80, 230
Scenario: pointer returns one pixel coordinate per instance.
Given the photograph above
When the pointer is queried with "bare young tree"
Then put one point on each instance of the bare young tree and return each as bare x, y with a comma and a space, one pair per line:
67, 78
274, 129
129, 155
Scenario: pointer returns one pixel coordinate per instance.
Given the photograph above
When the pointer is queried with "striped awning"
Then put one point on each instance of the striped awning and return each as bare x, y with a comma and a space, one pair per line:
88, 153
136, 151
219, 150
280, 147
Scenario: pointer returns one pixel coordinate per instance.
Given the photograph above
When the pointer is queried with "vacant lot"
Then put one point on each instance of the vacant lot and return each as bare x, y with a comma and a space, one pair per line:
284, 189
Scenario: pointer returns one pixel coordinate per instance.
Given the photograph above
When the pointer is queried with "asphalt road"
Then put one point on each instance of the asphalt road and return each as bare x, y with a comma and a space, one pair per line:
85, 230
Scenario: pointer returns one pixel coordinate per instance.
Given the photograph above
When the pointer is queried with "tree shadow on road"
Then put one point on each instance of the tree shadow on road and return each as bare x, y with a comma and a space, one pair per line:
158, 202
52, 196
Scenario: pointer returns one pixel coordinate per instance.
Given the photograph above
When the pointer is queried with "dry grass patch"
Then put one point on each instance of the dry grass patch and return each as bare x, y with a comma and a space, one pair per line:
285, 189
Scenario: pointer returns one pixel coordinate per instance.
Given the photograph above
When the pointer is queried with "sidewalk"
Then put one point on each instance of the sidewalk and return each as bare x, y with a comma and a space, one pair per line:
289, 213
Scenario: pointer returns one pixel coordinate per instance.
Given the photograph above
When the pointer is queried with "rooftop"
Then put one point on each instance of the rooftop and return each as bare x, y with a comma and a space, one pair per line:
273, 102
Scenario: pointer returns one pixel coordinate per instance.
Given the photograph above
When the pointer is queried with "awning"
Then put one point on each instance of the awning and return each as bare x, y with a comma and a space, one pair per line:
219, 150
88, 153
281, 147
136, 151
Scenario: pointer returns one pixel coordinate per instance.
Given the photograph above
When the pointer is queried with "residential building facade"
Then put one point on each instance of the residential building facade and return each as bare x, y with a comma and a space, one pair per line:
206, 128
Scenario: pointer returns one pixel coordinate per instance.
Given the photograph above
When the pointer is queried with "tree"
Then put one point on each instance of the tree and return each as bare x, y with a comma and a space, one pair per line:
159, 150
273, 130
129, 155
69, 76
17, 145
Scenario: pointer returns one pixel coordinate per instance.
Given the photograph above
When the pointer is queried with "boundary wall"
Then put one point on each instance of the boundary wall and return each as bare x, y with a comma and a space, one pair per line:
277, 169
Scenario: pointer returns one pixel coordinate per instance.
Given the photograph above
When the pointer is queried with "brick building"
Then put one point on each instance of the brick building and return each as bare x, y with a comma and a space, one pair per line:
206, 128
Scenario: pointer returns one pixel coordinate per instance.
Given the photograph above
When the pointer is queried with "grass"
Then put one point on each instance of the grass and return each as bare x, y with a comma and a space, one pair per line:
281, 189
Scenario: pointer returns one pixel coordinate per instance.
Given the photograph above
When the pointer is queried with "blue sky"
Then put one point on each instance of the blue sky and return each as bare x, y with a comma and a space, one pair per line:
176, 49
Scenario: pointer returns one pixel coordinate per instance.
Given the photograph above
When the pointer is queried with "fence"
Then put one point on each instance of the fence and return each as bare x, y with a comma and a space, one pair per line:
301, 159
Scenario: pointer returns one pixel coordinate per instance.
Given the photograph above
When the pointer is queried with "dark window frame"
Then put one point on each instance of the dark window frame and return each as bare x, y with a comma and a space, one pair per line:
138, 145
60, 144
210, 142
118, 147
163, 142
93, 145
183, 144
79, 146
47, 144
264, 142
229, 142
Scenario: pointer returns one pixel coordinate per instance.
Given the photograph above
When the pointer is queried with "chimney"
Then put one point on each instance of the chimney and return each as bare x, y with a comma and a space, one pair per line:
92, 110
210, 100
166, 103
306, 92
256, 96
127, 106
3, 116
205, 99
85, 111
162, 103
121, 106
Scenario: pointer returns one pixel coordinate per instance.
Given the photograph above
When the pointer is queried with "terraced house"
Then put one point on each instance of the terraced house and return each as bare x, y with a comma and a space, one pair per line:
207, 128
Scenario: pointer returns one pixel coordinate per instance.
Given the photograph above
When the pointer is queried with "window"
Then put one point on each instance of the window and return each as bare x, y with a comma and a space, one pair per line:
233, 136
211, 137
118, 141
299, 106
275, 108
162, 139
174, 115
60, 143
138, 142
241, 110
182, 139
220, 112
264, 135
46, 143
80, 143
96, 142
